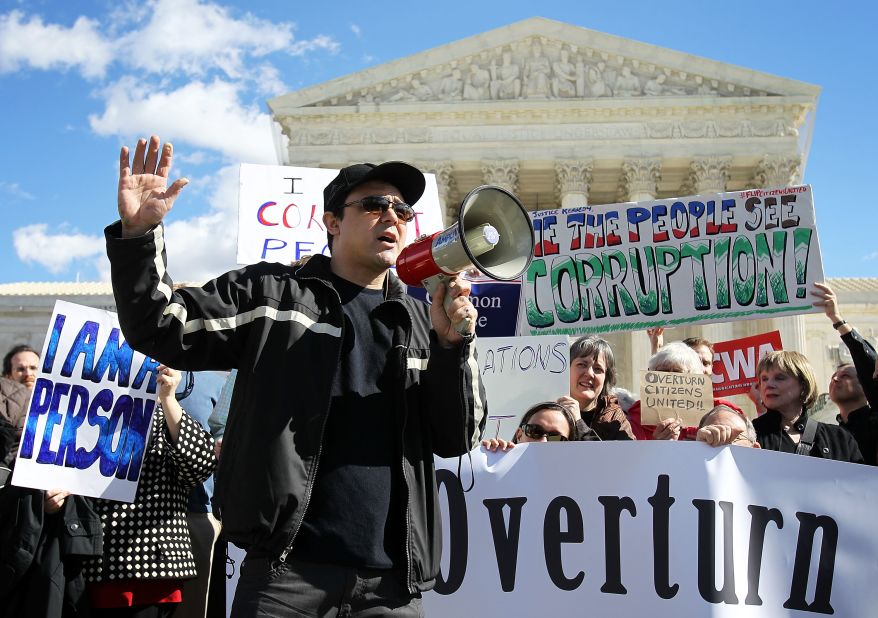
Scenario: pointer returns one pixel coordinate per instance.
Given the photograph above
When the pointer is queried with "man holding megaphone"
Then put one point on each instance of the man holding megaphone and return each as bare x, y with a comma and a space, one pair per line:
346, 388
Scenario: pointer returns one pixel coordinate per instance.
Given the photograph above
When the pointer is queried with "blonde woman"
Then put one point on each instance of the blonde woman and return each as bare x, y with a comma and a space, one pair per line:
788, 388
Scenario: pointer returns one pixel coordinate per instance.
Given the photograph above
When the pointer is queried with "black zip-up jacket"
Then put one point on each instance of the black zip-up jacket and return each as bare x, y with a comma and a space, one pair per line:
41, 556
830, 441
282, 328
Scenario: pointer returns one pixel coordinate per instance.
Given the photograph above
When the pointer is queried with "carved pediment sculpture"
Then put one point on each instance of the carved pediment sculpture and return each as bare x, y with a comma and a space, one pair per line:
543, 60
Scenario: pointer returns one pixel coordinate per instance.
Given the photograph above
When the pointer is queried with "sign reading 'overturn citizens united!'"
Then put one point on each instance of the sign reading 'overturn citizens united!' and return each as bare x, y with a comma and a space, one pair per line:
709, 258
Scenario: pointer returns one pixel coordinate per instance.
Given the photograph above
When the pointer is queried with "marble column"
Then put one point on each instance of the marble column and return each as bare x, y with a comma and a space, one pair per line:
710, 175
792, 332
707, 175
572, 179
776, 171
501, 172
445, 184
639, 182
640, 177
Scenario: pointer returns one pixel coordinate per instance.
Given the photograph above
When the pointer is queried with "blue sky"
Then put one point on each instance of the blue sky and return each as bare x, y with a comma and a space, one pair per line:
79, 79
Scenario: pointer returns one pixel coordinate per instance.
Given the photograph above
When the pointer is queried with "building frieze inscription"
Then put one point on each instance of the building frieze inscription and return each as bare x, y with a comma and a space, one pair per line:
692, 129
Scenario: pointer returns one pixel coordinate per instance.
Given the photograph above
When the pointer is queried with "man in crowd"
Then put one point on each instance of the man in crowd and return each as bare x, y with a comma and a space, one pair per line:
21, 364
13, 410
852, 387
346, 388
724, 425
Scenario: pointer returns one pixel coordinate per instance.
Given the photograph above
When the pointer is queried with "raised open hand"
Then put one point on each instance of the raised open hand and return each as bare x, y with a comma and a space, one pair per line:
144, 195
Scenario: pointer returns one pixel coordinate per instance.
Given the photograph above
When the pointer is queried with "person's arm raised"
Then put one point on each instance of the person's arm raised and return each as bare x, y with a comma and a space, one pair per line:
144, 197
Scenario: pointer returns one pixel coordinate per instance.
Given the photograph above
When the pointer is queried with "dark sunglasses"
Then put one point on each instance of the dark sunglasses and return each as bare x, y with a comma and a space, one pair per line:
380, 204
535, 432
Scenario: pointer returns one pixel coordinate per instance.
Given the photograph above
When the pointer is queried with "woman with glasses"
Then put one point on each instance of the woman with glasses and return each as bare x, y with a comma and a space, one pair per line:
597, 412
545, 422
788, 388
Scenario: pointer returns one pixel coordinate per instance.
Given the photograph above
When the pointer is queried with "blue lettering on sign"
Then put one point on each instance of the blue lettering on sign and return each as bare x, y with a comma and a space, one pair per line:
122, 427
497, 304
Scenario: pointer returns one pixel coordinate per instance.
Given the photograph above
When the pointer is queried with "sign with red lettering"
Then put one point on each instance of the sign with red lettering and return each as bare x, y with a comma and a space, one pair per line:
280, 212
734, 362
716, 257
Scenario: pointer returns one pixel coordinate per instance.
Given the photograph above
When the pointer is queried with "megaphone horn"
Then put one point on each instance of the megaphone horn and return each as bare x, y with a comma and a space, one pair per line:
493, 233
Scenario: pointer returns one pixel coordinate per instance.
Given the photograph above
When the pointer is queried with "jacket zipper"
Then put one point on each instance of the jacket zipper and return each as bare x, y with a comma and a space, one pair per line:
282, 558
408, 492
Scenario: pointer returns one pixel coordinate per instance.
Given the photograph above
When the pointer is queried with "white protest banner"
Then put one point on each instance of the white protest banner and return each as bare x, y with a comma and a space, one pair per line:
684, 396
656, 529
716, 257
735, 361
280, 212
519, 372
91, 410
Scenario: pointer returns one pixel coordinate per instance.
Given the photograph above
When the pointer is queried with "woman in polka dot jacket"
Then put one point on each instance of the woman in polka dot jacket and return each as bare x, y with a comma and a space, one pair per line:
147, 549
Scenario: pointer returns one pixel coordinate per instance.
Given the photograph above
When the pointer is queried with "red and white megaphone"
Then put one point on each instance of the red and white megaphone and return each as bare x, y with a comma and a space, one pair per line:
493, 233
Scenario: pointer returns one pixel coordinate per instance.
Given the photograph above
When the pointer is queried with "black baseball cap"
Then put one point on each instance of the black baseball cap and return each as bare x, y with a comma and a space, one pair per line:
407, 179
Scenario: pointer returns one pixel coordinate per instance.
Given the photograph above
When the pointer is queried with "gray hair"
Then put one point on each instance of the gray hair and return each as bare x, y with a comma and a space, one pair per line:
676, 357
749, 429
591, 346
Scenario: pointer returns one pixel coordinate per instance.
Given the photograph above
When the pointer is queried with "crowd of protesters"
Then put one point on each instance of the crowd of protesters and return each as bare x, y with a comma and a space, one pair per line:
785, 393
155, 556
177, 479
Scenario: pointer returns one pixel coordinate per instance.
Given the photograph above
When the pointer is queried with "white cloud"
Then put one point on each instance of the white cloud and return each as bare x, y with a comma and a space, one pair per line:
31, 43
196, 157
201, 248
56, 252
203, 115
191, 36
268, 80
13, 189
356, 30
321, 41
870, 256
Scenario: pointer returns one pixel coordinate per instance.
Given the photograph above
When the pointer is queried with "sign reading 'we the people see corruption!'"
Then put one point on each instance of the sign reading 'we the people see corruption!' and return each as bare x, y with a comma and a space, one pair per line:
709, 258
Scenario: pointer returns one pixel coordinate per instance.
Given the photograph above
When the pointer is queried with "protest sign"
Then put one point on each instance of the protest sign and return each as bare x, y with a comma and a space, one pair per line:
735, 361
518, 372
709, 258
91, 409
496, 302
655, 529
280, 212
685, 396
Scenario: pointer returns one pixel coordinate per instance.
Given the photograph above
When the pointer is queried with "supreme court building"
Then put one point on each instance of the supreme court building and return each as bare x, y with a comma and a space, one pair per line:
561, 116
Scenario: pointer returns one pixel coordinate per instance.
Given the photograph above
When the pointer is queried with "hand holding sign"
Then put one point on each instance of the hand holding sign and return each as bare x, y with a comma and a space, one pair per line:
144, 196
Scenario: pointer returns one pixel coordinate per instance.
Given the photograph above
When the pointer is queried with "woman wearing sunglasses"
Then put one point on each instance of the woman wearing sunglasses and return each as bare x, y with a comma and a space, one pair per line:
545, 422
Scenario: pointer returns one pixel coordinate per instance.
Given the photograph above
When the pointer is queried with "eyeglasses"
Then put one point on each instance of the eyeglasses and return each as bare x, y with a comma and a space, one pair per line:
380, 204
535, 432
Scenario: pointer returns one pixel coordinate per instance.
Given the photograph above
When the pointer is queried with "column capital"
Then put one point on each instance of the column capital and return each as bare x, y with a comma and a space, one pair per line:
443, 169
640, 178
776, 171
572, 180
501, 172
707, 174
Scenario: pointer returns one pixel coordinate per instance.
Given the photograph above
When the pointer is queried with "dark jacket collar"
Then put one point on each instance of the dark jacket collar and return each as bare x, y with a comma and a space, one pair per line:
317, 266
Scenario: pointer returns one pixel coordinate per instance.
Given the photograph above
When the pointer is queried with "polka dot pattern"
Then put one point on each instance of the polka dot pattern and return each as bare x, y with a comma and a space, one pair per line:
149, 539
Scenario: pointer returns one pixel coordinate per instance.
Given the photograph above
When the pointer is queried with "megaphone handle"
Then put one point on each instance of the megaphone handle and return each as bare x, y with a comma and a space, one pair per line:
432, 284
